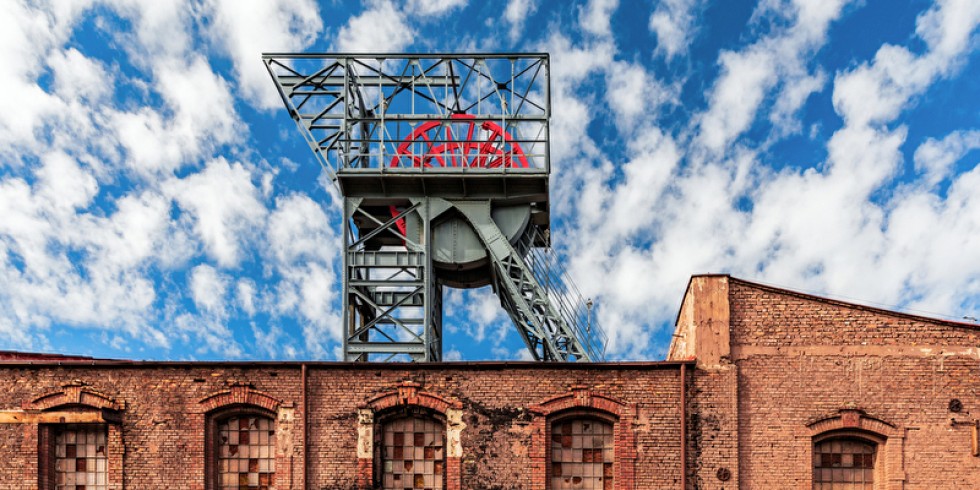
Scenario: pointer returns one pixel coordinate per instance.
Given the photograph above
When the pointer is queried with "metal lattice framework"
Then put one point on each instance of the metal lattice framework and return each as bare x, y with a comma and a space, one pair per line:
435, 156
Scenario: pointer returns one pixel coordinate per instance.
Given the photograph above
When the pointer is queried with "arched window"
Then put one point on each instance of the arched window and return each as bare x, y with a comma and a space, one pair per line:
83, 449
413, 453
80, 457
844, 462
582, 454
244, 451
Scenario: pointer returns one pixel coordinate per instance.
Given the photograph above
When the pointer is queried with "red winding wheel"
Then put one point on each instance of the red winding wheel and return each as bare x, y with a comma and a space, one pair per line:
461, 149
498, 149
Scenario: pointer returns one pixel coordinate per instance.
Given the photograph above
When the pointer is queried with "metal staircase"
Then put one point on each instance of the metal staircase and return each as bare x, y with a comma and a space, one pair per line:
551, 333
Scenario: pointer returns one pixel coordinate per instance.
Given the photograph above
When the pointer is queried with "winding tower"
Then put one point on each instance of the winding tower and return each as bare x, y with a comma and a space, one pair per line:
442, 162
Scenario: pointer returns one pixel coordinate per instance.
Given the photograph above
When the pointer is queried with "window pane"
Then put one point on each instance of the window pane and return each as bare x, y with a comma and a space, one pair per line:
582, 454
412, 454
844, 463
246, 453
80, 457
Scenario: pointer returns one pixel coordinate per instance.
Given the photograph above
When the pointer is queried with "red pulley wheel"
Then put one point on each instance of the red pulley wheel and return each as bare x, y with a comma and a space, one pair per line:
457, 143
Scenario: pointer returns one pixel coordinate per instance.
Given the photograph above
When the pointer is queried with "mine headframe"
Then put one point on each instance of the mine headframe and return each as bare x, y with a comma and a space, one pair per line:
442, 162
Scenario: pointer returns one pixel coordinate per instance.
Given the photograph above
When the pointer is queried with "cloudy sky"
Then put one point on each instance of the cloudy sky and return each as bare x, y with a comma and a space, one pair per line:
156, 202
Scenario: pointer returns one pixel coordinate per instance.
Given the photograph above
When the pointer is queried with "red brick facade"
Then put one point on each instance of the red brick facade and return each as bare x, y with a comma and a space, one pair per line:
778, 370
769, 374
497, 412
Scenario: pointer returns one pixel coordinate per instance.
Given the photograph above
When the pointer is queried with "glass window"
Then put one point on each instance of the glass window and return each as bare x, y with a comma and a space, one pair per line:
413, 454
246, 453
582, 454
843, 463
80, 461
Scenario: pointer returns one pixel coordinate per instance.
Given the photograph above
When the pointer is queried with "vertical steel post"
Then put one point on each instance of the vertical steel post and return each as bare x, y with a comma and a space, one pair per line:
347, 315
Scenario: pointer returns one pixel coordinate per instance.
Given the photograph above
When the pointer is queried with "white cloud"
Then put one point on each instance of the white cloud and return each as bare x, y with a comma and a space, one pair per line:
483, 312
936, 157
302, 247
572, 111
245, 292
161, 30
200, 118
516, 13
639, 229
775, 61
828, 229
273, 343
379, 29
208, 289
745, 78
28, 36
631, 92
936, 245
58, 261
595, 17
877, 92
77, 76
223, 208
637, 212
245, 29
796, 90
673, 22
207, 333
424, 8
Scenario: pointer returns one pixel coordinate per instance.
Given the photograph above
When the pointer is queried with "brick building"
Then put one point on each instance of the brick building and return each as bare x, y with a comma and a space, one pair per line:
762, 388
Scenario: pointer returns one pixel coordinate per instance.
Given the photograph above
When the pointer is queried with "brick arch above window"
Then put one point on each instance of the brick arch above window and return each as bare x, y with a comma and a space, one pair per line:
409, 393
581, 396
240, 394
854, 423
852, 419
74, 393
396, 402
582, 402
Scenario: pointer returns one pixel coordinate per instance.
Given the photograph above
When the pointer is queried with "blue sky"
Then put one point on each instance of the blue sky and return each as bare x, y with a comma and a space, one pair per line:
156, 202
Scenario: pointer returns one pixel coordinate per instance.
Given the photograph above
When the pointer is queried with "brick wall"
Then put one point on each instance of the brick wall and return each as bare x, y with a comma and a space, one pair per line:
805, 363
713, 434
164, 406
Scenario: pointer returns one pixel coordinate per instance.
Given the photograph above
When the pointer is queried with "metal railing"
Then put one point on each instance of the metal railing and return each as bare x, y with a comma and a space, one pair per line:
484, 113
548, 270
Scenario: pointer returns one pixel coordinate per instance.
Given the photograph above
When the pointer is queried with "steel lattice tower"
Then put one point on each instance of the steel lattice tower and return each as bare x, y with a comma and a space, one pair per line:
443, 165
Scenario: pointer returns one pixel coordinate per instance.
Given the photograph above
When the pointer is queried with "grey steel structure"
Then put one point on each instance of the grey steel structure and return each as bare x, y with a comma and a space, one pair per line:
443, 165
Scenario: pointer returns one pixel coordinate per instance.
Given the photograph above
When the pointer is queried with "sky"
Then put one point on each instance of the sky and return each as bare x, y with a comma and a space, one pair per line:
156, 201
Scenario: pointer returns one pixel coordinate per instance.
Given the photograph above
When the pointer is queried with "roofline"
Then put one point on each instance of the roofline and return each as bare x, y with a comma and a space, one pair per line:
832, 301
360, 366
10, 355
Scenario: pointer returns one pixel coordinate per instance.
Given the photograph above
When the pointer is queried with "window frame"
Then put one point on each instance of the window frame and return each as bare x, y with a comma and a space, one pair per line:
47, 439
876, 440
581, 399
406, 411
214, 418
581, 414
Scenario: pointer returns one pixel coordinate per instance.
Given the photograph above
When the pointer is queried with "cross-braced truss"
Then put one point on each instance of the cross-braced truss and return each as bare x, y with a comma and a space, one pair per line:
410, 140
358, 111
